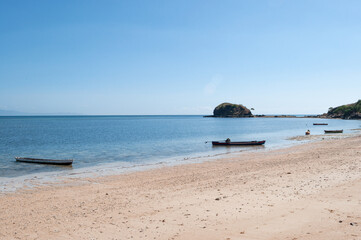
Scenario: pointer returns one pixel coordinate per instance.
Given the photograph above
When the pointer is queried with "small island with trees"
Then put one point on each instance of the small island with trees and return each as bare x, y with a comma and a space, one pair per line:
230, 110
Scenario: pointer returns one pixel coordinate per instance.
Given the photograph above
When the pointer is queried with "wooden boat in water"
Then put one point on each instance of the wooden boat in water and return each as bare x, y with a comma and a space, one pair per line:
333, 131
229, 143
45, 161
320, 124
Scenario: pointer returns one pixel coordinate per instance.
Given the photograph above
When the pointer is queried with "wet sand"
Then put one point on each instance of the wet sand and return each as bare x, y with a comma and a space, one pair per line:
310, 191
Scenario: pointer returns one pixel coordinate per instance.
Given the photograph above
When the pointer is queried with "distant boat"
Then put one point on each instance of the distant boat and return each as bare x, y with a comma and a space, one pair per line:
248, 143
45, 161
320, 124
333, 131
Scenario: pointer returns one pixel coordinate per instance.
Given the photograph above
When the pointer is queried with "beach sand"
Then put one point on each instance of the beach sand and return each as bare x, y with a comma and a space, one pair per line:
309, 191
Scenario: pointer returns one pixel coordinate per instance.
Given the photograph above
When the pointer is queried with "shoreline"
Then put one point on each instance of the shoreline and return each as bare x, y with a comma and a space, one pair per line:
33, 180
28, 181
307, 191
93, 157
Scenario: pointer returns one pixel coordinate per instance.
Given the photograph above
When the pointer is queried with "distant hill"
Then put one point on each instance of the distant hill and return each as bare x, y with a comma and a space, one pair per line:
349, 111
11, 113
231, 110
16, 113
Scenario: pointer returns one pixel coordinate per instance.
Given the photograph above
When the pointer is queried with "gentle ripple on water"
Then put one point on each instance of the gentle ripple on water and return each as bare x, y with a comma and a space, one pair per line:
126, 141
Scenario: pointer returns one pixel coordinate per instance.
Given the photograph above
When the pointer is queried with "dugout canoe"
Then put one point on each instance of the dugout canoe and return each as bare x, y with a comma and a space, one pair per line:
45, 161
333, 131
247, 143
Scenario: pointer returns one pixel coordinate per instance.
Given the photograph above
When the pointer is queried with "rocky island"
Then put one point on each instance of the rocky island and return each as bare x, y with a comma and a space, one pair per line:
348, 111
230, 110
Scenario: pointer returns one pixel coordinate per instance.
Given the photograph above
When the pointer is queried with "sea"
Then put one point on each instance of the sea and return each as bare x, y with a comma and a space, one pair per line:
101, 145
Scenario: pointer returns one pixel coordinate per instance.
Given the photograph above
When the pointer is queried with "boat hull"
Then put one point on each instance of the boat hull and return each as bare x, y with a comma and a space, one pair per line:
333, 131
249, 143
320, 124
45, 161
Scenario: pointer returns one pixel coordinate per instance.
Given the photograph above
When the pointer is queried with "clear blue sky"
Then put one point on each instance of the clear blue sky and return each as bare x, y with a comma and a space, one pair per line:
178, 57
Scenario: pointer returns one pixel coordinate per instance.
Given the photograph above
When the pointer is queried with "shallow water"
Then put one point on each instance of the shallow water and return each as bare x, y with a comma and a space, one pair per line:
128, 141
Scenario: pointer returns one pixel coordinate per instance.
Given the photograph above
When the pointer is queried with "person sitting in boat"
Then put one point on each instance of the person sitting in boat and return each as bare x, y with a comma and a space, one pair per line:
308, 132
228, 140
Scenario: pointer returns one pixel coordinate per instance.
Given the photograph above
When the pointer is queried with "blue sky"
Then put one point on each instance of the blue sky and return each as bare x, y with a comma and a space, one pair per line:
178, 57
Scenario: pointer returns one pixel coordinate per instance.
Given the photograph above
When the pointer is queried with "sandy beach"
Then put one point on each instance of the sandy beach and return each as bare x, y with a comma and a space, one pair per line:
309, 191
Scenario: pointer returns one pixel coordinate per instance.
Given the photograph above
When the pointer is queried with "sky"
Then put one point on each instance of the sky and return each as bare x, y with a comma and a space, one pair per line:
178, 57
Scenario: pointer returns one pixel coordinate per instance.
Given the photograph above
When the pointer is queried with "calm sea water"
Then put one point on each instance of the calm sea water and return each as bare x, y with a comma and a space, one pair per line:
94, 141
